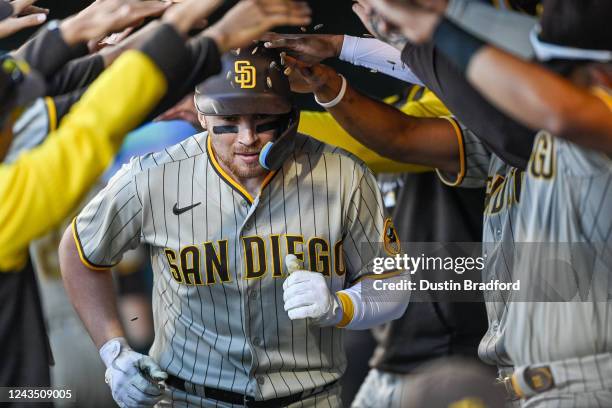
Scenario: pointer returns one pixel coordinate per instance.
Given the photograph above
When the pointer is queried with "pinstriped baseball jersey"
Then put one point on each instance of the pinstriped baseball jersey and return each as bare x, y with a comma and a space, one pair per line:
218, 259
481, 168
567, 201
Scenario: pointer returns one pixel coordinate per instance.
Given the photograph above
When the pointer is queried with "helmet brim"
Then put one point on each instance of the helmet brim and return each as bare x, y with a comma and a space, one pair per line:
240, 104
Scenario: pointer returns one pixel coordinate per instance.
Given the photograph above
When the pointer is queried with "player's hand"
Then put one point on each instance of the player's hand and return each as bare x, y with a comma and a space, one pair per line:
377, 26
19, 15
190, 14
133, 378
416, 19
309, 48
250, 19
318, 79
306, 295
103, 17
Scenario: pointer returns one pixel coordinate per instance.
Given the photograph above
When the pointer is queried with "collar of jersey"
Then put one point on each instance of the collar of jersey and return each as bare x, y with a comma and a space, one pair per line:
239, 188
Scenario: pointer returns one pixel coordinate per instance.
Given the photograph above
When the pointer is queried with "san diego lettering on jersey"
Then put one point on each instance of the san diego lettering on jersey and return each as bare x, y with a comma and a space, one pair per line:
208, 263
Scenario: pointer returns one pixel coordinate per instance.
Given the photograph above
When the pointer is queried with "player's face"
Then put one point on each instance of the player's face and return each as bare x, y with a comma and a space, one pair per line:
238, 140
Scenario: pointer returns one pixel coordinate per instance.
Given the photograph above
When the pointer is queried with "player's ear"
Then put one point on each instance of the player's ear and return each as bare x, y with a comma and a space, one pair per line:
202, 120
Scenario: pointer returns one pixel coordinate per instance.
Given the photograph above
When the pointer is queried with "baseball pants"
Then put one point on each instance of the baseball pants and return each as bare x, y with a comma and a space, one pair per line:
579, 383
381, 389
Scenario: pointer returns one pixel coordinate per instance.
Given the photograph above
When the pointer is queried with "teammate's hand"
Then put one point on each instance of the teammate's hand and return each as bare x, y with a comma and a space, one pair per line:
416, 19
103, 17
377, 26
20, 14
306, 295
133, 378
309, 48
190, 14
250, 19
318, 79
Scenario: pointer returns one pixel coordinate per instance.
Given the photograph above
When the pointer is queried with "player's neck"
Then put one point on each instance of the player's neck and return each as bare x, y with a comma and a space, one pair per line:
252, 184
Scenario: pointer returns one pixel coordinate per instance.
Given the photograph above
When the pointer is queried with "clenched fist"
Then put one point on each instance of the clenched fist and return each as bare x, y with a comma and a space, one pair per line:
306, 295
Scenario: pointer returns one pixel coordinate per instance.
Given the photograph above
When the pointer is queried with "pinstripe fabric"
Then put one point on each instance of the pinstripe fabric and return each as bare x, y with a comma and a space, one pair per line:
235, 334
568, 202
503, 183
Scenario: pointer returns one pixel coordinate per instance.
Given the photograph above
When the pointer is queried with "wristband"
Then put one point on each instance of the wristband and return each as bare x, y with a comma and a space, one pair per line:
337, 99
458, 45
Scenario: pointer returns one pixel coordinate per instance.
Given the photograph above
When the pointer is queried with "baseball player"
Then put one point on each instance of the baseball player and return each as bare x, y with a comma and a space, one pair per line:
558, 335
220, 212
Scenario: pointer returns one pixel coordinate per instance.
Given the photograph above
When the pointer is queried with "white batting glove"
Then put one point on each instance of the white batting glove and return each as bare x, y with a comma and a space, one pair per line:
133, 377
306, 295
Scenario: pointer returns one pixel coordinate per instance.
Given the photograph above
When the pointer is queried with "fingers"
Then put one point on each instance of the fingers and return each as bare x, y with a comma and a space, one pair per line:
298, 277
298, 295
10, 26
131, 13
150, 368
302, 313
278, 43
139, 394
286, 13
270, 36
292, 263
34, 10
20, 5
298, 302
362, 13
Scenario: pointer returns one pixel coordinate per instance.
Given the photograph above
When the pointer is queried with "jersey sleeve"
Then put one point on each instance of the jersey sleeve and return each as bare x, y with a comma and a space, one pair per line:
110, 224
369, 234
474, 159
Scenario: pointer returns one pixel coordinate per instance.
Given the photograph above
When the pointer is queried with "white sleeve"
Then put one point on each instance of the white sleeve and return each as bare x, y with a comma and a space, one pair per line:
380, 56
377, 307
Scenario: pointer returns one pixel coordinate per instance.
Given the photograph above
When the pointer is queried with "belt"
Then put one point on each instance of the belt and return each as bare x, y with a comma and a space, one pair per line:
527, 382
231, 397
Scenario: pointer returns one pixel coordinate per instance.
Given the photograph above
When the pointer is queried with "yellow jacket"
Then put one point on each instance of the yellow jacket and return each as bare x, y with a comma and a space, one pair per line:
43, 186
323, 127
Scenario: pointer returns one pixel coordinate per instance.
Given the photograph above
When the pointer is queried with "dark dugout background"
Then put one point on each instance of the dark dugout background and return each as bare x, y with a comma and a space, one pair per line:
337, 17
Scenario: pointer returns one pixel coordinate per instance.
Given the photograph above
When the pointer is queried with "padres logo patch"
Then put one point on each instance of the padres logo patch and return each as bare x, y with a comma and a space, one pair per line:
390, 238
245, 74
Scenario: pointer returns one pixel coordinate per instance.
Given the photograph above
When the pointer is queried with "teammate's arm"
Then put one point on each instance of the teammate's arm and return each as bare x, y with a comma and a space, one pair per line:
542, 99
430, 142
43, 185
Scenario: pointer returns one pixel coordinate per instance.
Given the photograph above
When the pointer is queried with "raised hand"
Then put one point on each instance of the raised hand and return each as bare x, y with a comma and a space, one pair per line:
21, 15
415, 19
103, 17
250, 19
308, 48
306, 78
190, 14
378, 26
